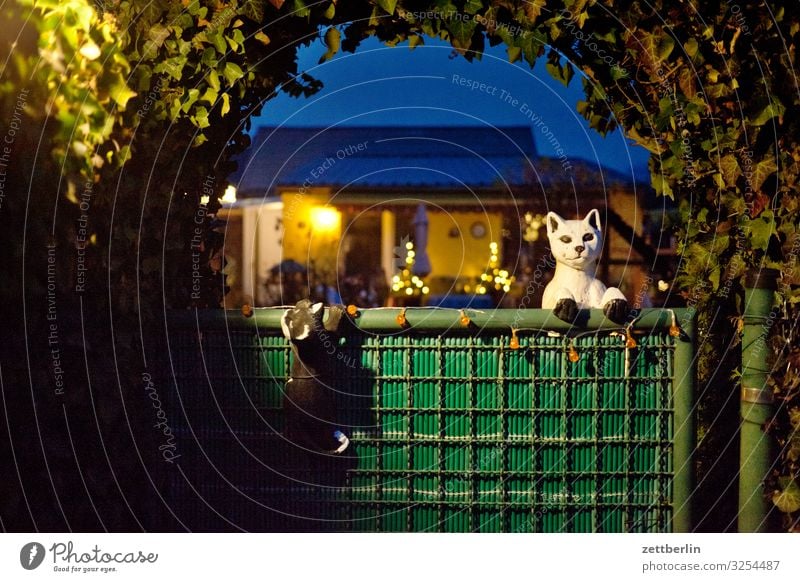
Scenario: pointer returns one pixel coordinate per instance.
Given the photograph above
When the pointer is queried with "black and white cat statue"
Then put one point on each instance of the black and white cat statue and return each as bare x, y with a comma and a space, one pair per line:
576, 246
309, 402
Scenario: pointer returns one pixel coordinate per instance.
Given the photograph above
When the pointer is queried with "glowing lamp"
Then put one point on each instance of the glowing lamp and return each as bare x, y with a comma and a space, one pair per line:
229, 197
324, 218
514, 343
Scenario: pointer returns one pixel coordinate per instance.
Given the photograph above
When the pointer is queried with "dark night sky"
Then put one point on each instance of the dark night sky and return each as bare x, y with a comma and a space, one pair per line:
381, 85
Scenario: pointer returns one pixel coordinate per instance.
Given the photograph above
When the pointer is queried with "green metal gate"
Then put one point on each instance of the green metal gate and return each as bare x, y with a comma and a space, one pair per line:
455, 425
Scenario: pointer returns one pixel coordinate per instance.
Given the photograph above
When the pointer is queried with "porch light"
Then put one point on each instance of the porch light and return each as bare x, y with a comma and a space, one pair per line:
229, 197
325, 218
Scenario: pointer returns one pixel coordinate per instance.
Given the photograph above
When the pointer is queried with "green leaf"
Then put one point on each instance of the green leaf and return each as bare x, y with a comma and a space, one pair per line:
415, 40
713, 278
209, 57
388, 5
333, 40
232, 73
774, 109
254, 10
300, 9
533, 9
473, 6
235, 40
787, 500
461, 32
175, 109
762, 170
690, 46
173, 67
213, 80
120, 92
157, 33
656, 46
200, 117
760, 230
218, 40
562, 73
192, 96
124, 154
618, 73
210, 96
729, 167
661, 185
226, 104
531, 44
261, 37
665, 46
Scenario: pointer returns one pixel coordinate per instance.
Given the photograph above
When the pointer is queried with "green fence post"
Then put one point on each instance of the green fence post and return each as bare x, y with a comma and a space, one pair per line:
685, 441
756, 454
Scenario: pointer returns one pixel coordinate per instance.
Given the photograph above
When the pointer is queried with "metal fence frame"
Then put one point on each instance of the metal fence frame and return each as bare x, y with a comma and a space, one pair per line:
428, 321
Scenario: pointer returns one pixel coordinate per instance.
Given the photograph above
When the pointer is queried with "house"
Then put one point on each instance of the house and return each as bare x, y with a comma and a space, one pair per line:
342, 202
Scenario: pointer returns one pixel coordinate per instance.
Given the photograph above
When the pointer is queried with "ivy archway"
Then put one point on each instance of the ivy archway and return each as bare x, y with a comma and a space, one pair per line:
110, 94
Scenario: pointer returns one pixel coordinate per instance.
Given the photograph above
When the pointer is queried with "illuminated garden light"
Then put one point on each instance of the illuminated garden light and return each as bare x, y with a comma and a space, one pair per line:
325, 219
406, 283
229, 197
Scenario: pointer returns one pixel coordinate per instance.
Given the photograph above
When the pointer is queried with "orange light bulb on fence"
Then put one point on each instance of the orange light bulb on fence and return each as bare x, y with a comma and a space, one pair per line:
514, 343
674, 330
464, 319
247, 310
573, 354
401, 318
630, 343
352, 310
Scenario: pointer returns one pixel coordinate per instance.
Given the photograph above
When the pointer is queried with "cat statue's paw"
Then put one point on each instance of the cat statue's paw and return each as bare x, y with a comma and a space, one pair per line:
616, 310
566, 309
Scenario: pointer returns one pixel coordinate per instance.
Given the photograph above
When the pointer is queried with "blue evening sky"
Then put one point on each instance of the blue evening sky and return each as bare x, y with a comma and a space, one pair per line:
380, 85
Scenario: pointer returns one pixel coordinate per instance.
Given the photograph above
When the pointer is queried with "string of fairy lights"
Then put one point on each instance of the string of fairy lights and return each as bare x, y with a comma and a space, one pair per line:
405, 282
494, 276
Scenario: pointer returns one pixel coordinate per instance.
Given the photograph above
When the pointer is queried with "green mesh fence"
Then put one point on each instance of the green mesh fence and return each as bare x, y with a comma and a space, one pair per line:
451, 429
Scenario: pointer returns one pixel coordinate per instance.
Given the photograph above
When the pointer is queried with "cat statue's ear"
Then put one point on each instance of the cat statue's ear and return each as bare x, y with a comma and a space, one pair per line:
593, 219
554, 222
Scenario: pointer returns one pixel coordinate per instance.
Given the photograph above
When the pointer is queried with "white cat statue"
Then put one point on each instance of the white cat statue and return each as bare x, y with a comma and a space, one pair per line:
575, 244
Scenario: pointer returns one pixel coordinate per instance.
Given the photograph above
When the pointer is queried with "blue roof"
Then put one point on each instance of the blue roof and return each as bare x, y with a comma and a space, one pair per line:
443, 159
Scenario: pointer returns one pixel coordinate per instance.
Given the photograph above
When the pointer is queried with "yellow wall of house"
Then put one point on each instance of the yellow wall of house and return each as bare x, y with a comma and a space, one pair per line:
463, 255
302, 239
459, 256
